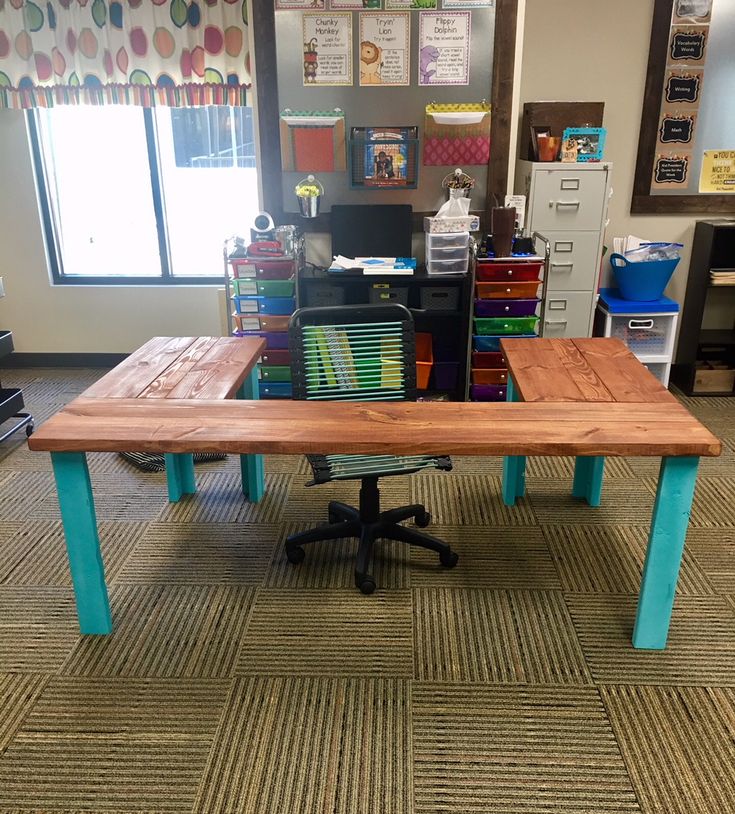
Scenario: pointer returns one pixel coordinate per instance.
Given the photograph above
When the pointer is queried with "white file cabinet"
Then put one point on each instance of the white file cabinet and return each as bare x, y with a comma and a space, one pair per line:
567, 203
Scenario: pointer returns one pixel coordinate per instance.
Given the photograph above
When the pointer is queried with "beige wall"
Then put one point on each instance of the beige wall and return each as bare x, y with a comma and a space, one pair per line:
599, 52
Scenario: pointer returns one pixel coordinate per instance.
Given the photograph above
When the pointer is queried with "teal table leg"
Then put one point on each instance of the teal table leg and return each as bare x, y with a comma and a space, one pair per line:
588, 472
251, 466
76, 502
671, 511
180, 475
514, 466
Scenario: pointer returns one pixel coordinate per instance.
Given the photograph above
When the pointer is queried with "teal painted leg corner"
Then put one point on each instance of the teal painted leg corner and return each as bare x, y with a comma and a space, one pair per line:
78, 517
588, 473
251, 466
671, 511
514, 466
180, 475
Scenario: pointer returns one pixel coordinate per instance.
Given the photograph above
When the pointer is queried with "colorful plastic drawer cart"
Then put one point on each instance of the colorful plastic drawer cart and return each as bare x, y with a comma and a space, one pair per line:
506, 308
485, 326
264, 305
507, 291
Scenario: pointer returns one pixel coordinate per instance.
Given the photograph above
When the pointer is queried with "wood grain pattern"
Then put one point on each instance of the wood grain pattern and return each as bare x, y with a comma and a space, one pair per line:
456, 428
208, 367
591, 370
128, 379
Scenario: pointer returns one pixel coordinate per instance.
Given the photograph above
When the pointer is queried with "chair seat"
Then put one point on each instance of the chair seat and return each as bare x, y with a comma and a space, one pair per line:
355, 467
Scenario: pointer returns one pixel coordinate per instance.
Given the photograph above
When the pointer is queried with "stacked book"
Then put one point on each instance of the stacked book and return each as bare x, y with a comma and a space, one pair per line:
722, 276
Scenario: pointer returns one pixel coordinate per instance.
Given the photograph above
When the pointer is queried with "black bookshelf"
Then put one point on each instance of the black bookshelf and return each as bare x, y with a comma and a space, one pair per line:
11, 398
449, 327
707, 305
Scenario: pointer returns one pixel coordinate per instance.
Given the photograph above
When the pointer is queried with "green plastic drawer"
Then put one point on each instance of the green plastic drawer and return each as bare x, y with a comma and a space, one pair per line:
502, 325
275, 373
264, 288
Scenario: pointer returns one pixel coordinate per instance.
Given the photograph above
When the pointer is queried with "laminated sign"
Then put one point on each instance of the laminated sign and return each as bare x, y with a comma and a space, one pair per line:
718, 171
457, 134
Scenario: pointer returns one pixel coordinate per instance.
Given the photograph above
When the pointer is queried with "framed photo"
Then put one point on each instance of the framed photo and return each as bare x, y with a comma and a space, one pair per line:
536, 131
586, 143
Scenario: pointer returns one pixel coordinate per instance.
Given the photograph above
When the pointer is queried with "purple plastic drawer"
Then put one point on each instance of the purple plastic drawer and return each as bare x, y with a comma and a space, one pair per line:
487, 392
505, 308
274, 340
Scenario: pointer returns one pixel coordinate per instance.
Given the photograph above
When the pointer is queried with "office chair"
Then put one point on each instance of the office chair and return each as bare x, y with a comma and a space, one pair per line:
361, 353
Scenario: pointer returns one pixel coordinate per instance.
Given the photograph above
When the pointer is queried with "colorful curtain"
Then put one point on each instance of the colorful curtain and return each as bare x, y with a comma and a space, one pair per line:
144, 52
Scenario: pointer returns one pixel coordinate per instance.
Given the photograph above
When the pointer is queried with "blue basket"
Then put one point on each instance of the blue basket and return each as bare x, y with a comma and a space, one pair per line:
643, 281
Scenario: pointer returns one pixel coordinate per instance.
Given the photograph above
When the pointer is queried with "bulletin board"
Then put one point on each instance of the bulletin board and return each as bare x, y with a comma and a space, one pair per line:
686, 151
283, 85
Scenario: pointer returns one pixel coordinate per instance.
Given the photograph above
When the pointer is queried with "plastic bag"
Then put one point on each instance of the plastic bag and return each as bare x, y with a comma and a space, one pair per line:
654, 251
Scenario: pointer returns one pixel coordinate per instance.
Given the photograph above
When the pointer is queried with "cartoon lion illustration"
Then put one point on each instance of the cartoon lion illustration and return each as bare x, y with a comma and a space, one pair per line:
371, 61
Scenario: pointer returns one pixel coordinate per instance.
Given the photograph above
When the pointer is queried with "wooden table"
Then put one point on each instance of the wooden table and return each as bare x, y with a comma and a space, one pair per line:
603, 372
190, 367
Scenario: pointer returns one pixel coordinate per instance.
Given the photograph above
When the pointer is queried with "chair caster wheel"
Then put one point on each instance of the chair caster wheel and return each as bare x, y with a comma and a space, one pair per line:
366, 584
448, 558
295, 555
332, 518
29, 430
423, 520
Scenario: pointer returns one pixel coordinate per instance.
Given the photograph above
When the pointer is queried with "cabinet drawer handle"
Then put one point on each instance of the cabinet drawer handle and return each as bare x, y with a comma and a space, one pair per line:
556, 322
575, 204
562, 265
640, 324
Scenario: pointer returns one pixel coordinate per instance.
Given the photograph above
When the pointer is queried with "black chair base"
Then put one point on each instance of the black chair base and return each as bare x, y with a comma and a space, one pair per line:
369, 524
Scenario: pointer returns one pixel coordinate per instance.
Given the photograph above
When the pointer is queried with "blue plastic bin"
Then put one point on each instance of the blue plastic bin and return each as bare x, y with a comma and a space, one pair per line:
644, 281
274, 306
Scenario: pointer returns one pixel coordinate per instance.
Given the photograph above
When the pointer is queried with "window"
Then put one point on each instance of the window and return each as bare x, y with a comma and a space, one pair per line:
131, 195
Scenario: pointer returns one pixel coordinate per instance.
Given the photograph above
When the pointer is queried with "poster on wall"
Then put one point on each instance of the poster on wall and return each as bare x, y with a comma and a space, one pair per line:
327, 42
683, 86
688, 44
692, 11
444, 48
355, 5
671, 171
718, 171
405, 5
310, 5
384, 49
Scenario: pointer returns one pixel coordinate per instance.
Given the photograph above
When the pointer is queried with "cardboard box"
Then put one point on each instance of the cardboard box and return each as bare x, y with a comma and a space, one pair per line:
466, 223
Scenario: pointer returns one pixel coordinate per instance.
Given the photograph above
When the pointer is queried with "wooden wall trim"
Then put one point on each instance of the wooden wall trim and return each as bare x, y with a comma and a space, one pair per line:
642, 201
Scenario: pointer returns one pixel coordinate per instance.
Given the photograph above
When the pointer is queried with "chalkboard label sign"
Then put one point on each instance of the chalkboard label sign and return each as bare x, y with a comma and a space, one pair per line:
676, 129
683, 88
688, 46
671, 170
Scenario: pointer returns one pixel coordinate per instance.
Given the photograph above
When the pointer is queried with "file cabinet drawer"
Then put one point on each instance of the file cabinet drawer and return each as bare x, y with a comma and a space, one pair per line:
567, 314
574, 264
569, 201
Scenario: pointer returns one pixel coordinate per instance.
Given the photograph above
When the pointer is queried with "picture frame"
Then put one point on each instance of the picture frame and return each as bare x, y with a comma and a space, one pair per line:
586, 143
536, 131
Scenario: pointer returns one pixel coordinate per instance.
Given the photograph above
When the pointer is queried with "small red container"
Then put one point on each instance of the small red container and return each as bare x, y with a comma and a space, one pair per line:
276, 357
424, 361
508, 272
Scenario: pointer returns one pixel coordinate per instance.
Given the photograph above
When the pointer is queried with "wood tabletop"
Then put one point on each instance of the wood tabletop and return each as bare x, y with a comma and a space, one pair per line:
609, 428
591, 370
203, 367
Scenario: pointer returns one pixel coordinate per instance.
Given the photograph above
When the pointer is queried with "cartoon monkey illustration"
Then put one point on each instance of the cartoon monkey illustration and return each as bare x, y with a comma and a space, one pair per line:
311, 61
371, 61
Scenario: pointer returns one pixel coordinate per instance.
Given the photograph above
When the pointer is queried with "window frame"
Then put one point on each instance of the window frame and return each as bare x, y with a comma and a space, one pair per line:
53, 249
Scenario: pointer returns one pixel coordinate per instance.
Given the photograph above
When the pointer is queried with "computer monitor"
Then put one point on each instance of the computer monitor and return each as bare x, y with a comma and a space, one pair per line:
377, 230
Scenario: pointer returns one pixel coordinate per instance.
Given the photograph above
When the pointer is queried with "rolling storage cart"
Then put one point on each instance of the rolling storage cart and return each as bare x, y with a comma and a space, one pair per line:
509, 301
11, 398
261, 296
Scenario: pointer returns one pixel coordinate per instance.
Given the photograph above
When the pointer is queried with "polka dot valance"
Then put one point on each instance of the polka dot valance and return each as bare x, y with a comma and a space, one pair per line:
145, 52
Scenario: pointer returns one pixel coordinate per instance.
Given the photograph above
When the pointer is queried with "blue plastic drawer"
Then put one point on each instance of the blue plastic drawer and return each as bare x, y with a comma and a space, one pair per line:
275, 306
275, 390
492, 343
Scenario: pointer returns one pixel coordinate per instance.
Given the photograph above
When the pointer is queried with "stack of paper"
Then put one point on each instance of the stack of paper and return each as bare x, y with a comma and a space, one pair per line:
722, 276
621, 245
375, 265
